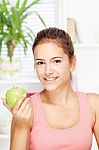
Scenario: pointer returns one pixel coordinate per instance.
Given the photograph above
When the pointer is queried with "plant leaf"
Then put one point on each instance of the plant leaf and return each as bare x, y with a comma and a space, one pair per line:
40, 18
22, 9
17, 4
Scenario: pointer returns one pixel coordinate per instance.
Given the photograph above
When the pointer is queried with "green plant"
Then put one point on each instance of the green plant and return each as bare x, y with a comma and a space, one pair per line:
13, 30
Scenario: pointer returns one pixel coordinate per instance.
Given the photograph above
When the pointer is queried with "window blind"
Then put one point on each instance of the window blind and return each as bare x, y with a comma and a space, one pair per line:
47, 12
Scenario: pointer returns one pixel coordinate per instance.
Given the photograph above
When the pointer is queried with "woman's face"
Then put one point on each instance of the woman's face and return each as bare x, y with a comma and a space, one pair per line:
52, 65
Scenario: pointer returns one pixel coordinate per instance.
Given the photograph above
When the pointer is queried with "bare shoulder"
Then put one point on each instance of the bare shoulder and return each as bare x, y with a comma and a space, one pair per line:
93, 99
94, 103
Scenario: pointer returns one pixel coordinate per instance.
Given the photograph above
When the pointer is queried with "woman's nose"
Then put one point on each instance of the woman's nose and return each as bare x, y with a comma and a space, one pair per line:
48, 69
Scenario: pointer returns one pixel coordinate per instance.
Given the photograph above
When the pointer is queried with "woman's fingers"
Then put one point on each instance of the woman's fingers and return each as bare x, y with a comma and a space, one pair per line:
24, 114
24, 105
19, 102
22, 109
27, 112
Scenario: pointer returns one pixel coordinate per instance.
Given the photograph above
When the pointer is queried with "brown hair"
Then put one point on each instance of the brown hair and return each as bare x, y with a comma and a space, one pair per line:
57, 36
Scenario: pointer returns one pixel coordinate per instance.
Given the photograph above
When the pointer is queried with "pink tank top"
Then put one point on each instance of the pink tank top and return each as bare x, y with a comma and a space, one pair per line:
44, 137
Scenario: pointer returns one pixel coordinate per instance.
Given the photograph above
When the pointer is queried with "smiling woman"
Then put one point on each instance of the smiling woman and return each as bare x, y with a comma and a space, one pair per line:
58, 113
52, 65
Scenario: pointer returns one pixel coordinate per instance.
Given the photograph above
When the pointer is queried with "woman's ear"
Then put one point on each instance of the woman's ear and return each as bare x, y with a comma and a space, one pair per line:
72, 63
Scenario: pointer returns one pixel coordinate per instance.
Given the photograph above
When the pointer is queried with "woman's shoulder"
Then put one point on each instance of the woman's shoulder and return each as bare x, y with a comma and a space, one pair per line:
93, 99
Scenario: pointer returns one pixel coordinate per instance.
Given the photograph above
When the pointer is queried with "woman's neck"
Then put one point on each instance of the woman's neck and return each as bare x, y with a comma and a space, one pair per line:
57, 96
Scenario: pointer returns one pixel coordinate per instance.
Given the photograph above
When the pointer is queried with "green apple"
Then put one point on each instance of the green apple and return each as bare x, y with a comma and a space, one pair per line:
13, 95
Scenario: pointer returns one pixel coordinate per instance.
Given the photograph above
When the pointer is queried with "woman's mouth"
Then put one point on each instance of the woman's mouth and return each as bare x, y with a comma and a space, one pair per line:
51, 79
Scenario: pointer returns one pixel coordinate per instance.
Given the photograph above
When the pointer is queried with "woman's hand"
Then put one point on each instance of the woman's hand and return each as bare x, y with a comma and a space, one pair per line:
22, 112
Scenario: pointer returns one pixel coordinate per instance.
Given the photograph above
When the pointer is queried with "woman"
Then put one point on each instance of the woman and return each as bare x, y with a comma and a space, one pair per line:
57, 118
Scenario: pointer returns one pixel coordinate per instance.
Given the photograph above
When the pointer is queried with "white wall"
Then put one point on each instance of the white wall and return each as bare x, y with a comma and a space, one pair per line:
87, 68
85, 13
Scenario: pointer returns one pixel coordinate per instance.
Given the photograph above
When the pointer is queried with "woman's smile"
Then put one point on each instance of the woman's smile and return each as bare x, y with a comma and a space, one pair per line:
50, 80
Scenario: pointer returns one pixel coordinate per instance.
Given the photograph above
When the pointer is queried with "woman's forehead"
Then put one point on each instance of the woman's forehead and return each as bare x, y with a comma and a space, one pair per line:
48, 46
49, 52
48, 49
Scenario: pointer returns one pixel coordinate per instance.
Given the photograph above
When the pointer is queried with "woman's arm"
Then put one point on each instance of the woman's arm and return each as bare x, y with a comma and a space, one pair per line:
12, 129
19, 137
96, 125
94, 101
21, 123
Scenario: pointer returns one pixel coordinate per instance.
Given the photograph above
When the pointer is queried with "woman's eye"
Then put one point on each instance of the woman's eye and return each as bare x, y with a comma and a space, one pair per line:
40, 63
57, 61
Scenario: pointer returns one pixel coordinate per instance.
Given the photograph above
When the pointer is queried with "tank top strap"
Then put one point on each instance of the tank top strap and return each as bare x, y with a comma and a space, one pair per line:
37, 109
85, 109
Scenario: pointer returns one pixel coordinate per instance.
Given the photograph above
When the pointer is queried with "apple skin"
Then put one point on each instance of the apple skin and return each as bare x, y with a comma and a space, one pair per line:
13, 95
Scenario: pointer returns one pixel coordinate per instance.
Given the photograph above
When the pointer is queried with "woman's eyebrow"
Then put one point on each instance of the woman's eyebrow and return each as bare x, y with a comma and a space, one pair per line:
56, 57
38, 59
